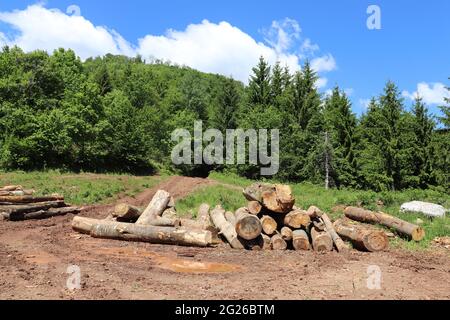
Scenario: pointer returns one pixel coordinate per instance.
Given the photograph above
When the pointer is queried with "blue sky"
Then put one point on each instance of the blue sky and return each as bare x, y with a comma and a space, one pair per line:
412, 48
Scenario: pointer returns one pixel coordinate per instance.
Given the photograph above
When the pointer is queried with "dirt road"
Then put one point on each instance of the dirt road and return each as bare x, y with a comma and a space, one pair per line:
35, 255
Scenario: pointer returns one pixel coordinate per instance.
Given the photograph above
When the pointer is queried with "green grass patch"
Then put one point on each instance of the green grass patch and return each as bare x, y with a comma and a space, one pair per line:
83, 188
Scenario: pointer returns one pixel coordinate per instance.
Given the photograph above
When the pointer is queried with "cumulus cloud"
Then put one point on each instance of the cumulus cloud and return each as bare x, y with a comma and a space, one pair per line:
209, 47
431, 93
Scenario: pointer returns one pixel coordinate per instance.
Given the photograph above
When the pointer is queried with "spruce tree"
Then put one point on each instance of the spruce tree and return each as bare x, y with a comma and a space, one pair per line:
223, 115
259, 92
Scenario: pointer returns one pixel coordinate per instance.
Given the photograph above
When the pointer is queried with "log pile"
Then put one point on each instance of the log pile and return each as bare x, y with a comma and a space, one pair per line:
157, 223
18, 204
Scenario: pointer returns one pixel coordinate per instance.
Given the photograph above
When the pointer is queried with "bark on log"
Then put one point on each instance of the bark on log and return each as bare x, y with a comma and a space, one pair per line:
229, 216
410, 230
155, 208
17, 193
31, 207
341, 246
225, 228
254, 207
247, 226
166, 222
277, 198
151, 234
266, 240
126, 212
297, 219
11, 188
29, 199
203, 215
300, 240
83, 224
277, 242
269, 225
321, 240
43, 214
169, 213
363, 237
286, 233
314, 212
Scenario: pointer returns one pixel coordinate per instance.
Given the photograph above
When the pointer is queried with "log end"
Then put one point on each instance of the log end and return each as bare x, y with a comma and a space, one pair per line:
376, 241
418, 234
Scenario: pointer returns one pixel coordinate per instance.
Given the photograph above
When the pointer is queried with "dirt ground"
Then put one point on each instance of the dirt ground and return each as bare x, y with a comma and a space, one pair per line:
35, 256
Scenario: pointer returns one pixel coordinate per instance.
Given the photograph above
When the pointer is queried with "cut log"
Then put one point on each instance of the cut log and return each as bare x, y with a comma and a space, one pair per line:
277, 198
165, 222
277, 242
254, 207
146, 233
269, 225
29, 199
229, 216
203, 215
286, 233
171, 203
341, 246
24, 208
255, 244
297, 219
266, 240
83, 224
225, 228
11, 188
169, 213
126, 212
155, 208
300, 240
43, 214
17, 193
363, 237
247, 226
321, 240
405, 228
314, 212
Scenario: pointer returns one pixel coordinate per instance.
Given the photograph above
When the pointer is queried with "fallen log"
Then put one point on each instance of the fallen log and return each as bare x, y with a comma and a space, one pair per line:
286, 233
266, 239
300, 240
24, 208
410, 230
269, 225
146, 233
362, 236
155, 208
277, 198
165, 222
341, 246
277, 242
226, 229
256, 244
321, 240
297, 219
229, 216
29, 199
254, 207
126, 212
11, 188
314, 212
42, 214
203, 215
17, 193
247, 226
169, 213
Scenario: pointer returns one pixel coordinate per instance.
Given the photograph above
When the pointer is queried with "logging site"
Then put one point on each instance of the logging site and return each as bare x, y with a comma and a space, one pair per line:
174, 237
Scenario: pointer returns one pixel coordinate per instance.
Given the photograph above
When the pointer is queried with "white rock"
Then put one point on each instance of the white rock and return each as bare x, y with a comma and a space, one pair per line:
425, 208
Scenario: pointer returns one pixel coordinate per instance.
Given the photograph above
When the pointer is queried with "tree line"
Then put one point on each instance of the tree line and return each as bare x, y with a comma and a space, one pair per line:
115, 113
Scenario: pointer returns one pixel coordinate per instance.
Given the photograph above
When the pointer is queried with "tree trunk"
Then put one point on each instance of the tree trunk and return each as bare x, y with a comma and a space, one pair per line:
11, 188
165, 222
256, 244
203, 215
269, 225
29, 199
410, 230
43, 214
189, 224
126, 212
297, 219
314, 212
321, 241
300, 240
362, 236
155, 208
277, 242
286, 233
266, 240
152, 234
254, 207
277, 198
226, 228
24, 208
229, 216
17, 193
341, 246
247, 226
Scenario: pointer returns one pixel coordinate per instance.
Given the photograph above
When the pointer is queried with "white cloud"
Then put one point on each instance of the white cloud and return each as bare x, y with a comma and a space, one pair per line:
206, 46
324, 63
321, 83
431, 93
364, 103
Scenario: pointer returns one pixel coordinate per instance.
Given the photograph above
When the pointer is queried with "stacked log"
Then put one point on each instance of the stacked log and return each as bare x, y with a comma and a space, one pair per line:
18, 204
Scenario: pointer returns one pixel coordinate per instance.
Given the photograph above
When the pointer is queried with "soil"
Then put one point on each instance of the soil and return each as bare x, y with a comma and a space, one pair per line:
35, 259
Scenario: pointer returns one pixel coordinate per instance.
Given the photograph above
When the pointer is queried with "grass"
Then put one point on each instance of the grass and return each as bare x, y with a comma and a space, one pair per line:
228, 193
81, 189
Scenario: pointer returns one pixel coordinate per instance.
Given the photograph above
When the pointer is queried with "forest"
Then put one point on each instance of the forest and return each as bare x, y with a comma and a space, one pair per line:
116, 114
